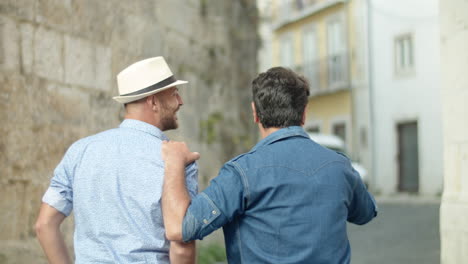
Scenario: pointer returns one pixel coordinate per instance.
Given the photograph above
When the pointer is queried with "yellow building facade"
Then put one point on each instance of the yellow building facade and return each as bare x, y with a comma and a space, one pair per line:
316, 38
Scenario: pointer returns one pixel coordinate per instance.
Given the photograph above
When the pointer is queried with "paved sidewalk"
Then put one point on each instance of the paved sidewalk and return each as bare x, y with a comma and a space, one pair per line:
404, 198
406, 231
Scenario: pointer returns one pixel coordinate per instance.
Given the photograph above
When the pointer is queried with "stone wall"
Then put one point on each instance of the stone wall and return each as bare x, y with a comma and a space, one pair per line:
454, 64
58, 61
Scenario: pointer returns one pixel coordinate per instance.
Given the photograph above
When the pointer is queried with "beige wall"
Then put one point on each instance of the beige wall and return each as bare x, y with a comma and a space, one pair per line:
332, 107
329, 108
454, 64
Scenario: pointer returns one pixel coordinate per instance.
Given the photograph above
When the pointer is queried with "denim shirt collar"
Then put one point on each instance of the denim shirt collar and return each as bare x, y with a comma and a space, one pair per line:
286, 132
144, 127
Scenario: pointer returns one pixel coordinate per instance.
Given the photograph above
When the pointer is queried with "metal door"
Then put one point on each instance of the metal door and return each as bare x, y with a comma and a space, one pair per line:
408, 160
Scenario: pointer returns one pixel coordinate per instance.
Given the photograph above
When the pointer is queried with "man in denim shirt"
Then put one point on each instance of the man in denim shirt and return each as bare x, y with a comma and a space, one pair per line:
285, 201
113, 180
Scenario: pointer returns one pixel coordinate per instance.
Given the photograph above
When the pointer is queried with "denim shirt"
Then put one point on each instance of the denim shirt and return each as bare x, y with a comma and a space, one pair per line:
113, 182
285, 201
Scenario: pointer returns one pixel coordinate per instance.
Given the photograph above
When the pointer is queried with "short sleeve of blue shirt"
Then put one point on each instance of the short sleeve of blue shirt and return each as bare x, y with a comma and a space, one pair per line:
60, 193
218, 204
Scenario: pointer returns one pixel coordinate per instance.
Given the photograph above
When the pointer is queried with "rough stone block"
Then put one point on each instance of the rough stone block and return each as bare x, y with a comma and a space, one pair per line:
48, 59
25, 251
2, 52
152, 40
103, 64
182, 25
27, 47
15, 211
9, 47
144, 8
97, 20
176, 52
218, 32
25, 9
87, 64
79, 63
69, 104
55, 13
133, 27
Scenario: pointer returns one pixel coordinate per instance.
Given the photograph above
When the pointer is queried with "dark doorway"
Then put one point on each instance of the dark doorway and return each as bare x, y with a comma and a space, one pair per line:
408, 158
339, 129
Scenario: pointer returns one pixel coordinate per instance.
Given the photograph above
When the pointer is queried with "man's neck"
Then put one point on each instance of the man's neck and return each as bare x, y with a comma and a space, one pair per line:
265, 132
140, 117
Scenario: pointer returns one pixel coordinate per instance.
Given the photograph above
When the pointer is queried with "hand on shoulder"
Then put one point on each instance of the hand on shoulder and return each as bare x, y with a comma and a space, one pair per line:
178, 152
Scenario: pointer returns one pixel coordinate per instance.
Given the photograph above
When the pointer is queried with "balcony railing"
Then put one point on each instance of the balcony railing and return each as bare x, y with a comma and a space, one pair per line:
293, 10
326, 75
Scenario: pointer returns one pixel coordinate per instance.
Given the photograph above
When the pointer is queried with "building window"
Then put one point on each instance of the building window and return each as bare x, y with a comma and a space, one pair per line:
310, 61
336, 52
287, 51
313, 129
299, 4
285, 10
313, 126
404, 57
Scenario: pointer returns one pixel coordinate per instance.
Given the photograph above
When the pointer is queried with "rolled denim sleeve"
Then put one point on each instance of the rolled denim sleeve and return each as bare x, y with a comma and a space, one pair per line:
191, 179
222, 200
60, 193
363, 206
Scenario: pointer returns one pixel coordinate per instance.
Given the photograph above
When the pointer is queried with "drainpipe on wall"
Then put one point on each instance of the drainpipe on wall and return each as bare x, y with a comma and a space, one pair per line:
349, 57
373, 155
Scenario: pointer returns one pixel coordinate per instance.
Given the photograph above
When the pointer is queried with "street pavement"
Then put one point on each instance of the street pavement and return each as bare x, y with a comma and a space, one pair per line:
406, 231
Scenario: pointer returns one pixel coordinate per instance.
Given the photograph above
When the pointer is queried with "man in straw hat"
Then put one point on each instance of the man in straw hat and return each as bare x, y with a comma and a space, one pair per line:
285, 201
113, 180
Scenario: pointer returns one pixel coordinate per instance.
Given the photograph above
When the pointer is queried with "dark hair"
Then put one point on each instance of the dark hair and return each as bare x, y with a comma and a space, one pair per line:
280, 97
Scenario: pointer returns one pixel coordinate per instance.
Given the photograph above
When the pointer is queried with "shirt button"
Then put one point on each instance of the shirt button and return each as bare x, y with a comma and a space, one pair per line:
213, 212
205, 221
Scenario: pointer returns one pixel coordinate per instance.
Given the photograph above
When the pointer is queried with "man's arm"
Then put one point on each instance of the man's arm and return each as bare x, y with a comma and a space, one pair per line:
182, 253
363, 207
49, 235
175, 198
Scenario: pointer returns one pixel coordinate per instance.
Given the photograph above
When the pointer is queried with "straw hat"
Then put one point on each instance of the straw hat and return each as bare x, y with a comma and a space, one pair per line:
144, 78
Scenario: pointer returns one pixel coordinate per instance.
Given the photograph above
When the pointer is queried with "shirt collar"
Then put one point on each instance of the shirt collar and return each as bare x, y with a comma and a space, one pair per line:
286, 132
144, 127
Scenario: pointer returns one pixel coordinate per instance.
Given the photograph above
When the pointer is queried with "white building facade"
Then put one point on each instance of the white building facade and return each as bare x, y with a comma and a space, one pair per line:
454, 64
405, 83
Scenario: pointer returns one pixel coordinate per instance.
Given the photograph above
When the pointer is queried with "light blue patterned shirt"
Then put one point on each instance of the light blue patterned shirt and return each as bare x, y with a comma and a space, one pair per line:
113, 182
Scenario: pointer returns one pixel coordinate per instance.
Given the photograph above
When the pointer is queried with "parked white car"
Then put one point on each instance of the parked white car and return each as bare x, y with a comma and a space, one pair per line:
337, 144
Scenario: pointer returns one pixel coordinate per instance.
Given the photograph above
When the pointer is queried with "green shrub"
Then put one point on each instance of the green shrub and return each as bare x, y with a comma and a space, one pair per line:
211, 254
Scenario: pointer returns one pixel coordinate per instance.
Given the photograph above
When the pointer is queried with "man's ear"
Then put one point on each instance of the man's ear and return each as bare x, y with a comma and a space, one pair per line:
152, 102
254, 113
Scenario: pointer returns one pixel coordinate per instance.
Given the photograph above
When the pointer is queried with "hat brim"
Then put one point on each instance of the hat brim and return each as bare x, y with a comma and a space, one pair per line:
131, 98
